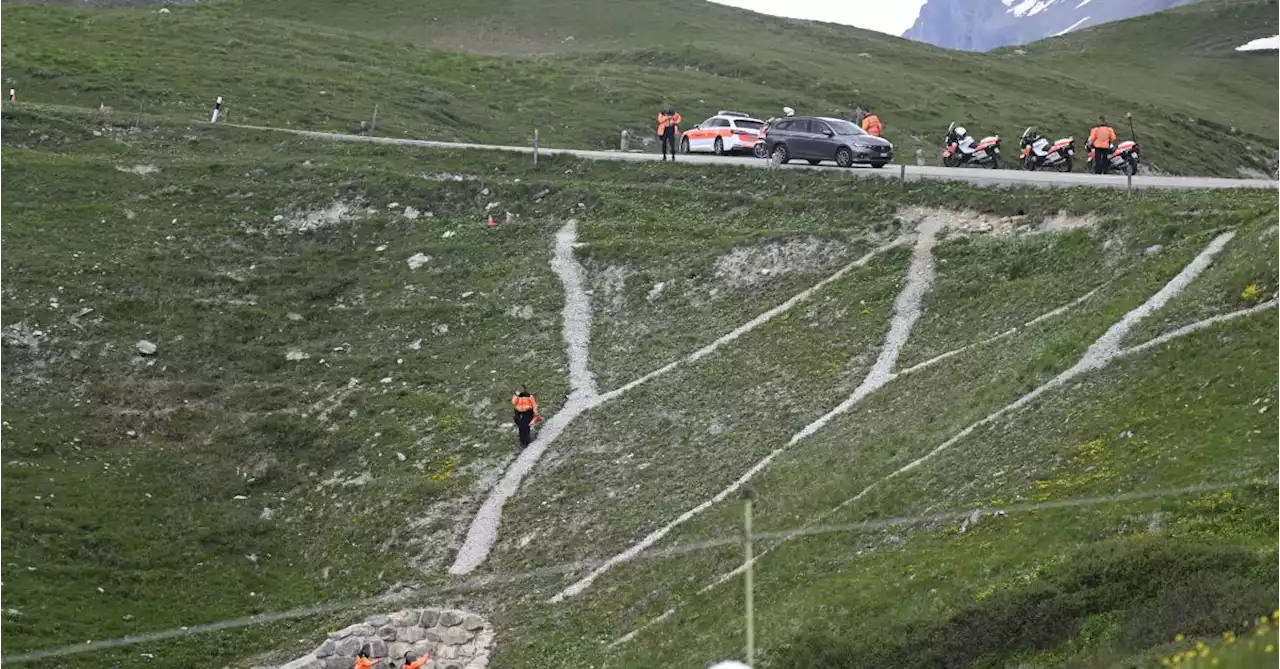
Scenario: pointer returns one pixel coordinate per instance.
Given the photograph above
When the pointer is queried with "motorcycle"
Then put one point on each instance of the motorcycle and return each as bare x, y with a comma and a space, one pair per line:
760, 150
1125, 157
986, 152
1038, 153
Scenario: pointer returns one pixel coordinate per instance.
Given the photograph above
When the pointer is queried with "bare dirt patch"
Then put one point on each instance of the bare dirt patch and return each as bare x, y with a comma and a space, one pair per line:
754, 265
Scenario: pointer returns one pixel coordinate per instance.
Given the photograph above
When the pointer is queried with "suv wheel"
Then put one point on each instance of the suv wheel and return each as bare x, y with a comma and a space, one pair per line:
844, 157
781, 155
719, 147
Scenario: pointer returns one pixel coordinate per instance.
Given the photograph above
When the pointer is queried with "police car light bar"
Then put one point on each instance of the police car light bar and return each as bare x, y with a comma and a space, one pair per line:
732, 113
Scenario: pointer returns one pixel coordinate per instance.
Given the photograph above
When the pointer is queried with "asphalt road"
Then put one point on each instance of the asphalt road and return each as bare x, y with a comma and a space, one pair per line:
973, 175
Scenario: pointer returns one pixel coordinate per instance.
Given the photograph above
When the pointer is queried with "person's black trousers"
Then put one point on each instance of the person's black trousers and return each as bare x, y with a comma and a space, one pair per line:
1101, 158
669, 140
524, 422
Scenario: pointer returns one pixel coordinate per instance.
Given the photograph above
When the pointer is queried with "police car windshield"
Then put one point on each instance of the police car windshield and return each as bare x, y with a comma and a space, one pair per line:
844, 127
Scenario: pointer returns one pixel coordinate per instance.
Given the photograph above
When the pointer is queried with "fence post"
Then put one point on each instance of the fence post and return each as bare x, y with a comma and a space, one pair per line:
747, 496
535, 147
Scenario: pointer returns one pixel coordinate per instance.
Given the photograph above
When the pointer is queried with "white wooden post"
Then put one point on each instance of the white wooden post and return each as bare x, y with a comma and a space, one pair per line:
217, 110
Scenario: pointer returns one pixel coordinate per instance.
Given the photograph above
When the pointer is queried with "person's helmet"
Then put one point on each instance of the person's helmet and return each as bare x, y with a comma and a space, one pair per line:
365, 651
410, 657
961, 132
788, 111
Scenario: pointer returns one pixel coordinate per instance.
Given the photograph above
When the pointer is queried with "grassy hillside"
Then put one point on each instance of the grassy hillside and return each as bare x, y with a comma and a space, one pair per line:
325, 65
320, 419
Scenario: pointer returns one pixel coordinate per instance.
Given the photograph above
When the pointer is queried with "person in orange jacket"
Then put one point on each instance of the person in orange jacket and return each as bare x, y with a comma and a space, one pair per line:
872, 124
668, 127
363, 661
1101, 139
526, 415
415, 664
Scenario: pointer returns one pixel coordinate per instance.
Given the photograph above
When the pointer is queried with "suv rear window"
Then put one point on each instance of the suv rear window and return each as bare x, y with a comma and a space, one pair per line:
749, 125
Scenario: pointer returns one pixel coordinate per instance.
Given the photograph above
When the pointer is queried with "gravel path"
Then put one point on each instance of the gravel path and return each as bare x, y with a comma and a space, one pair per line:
1102, 353
577, 313
483, 531
906, 311
576, 331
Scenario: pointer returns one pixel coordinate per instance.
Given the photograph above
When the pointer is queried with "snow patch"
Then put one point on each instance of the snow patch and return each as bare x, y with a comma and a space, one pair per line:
140, 170
1071, 27
1261, 44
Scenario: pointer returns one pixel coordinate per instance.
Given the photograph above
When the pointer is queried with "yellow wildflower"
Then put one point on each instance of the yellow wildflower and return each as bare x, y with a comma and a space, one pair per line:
1270, 648
1251, 292
1179, 636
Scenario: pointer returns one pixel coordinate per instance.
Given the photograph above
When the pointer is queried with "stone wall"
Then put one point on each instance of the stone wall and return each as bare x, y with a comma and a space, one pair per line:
454, 639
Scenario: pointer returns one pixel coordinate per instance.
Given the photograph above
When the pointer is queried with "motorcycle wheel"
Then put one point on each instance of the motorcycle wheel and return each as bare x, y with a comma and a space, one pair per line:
1028, 164
950, 161
1131, 167
1066, 164
995, 161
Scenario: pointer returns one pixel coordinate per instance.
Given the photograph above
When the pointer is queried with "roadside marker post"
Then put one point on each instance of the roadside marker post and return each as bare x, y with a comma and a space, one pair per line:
217, 110
373, 125
535, 147
1129, 180
625, 143
748, 495
13, 97
903, 172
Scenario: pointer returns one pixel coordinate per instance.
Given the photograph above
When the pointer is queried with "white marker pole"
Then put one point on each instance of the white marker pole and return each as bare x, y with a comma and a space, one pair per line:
13, 97
217, 109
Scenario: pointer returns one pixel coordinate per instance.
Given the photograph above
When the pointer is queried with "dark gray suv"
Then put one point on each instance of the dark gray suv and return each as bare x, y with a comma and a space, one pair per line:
816, 138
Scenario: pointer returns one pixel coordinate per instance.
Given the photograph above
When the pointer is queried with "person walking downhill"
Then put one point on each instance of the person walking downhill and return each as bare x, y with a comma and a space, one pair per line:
668, 128
526, 415
1101, 139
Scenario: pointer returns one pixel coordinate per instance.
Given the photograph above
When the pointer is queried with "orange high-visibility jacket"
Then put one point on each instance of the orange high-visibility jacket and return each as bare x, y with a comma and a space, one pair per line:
1102, 137
365, 663
523, 404
417, 664
672, 120
872, 125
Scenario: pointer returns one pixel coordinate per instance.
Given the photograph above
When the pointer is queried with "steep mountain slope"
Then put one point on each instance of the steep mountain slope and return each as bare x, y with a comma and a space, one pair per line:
982, 25
321, 416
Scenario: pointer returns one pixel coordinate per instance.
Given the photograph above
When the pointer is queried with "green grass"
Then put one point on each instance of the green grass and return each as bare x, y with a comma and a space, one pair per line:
147, 477
1200, 107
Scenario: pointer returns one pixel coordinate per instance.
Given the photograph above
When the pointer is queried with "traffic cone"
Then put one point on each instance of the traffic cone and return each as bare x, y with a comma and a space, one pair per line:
490, 222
